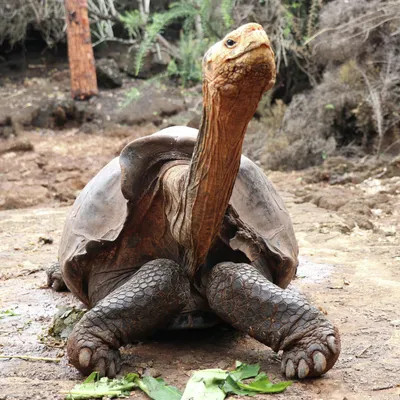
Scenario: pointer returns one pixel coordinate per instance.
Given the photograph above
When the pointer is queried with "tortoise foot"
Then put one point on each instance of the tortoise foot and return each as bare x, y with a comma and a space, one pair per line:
312, 355
54, 278
148, 301
281, 319
89, 354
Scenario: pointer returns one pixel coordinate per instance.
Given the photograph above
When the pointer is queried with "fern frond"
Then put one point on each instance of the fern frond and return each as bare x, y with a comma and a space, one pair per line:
206, 9
191, 51
188, 23
159, 22
133, 22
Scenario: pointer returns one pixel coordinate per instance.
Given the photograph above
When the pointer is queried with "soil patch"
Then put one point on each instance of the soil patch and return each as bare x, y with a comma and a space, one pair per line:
353, 276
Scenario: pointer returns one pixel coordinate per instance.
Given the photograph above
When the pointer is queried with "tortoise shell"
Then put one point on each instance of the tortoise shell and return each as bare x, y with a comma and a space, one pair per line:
106, 239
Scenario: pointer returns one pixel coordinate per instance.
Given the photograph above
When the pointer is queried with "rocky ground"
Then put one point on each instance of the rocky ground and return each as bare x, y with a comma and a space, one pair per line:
346, 216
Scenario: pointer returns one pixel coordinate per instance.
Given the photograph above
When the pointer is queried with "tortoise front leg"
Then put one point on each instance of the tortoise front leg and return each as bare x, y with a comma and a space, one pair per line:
149, 300
279, 318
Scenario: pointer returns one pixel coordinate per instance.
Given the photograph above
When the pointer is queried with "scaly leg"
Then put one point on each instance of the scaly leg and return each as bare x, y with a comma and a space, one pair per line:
149, 300
279, 318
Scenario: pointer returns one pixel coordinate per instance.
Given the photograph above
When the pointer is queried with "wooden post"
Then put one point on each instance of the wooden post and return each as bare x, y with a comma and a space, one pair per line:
80, 50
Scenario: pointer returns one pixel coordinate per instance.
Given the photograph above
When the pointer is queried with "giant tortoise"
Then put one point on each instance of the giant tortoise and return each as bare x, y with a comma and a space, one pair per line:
181, 227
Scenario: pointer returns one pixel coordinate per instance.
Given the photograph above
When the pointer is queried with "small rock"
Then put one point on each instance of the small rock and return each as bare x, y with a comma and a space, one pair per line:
187, 359
16, 145
361, 221
89, 128
108, 75
152, 372
151, 106
6, 131
390, 231
22, 197
224, 364
395, 322
45, 239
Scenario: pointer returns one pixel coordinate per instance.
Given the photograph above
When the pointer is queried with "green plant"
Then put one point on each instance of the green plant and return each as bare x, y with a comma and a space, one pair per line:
133, 21
46, 17
188, 67
226, 11
301, 19
159, 21
132, 95
197, 32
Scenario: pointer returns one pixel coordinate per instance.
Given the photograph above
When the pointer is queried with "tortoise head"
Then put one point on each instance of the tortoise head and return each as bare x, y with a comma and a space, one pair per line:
242, 62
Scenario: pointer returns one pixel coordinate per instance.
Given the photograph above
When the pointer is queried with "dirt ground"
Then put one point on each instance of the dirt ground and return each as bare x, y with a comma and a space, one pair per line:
349, 236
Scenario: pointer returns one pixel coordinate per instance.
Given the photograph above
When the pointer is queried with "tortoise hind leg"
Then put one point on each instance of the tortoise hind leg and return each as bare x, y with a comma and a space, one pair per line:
55, 279
279, 318
146, 302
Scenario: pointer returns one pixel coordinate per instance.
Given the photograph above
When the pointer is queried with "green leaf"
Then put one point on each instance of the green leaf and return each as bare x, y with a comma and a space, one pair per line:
208, 384
205, 385
231, 386
330, 106
95, 388
160, 21
172, 68
157, 389
132, 95
245, 371
93, 377
131, 377
262, 384
133, 22
8, 313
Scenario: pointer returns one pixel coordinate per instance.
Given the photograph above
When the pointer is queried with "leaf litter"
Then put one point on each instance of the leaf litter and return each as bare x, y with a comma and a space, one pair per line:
207, 384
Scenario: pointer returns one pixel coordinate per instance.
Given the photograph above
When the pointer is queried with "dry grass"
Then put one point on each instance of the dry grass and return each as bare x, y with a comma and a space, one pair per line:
48, 18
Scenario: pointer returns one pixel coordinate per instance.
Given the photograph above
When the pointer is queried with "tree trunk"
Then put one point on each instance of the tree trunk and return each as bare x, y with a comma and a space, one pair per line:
80, 50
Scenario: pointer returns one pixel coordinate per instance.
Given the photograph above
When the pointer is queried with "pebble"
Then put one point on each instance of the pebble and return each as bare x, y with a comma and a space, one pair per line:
152, 372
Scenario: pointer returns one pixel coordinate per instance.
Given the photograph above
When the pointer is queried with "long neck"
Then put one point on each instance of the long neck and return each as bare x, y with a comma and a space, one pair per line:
213, 170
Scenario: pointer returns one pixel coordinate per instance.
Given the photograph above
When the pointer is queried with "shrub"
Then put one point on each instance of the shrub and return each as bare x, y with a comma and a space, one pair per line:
47, 17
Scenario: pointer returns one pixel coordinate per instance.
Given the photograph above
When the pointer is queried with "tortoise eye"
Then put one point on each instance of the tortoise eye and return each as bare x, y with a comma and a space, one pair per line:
230, 43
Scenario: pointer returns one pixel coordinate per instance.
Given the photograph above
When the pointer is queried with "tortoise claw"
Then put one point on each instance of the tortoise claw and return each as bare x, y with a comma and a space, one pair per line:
313, 355
84, 357
319, 362
303, 369
101, 367
290, 371
111, 369
91, 354
332, 344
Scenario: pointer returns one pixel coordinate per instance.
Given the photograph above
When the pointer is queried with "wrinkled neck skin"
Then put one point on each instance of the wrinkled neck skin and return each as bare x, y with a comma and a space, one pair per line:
206, 187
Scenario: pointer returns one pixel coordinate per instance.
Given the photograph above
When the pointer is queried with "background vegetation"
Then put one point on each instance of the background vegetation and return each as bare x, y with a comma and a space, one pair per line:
338, 88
